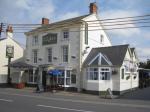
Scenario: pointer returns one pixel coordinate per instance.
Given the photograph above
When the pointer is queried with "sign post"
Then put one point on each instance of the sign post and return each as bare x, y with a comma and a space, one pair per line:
109, 92
9, 55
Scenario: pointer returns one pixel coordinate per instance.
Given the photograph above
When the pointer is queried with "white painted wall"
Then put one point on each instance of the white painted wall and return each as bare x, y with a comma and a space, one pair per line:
18, 53
94, 35
75, 43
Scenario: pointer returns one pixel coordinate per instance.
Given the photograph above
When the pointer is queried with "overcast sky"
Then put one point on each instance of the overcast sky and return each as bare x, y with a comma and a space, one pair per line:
31, 11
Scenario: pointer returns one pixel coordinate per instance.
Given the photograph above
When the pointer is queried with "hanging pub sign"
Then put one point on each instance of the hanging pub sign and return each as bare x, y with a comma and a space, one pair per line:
50, 38
9, 51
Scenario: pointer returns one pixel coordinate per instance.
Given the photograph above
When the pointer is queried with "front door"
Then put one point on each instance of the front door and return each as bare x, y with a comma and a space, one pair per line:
44, 73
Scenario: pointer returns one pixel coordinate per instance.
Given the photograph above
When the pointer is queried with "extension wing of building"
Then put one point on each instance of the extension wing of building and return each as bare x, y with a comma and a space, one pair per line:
112, 67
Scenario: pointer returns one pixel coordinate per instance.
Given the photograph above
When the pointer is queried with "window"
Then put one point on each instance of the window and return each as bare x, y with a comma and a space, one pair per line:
73, 78
35, 56
86, 33
49, 52
33, 76
66, 34
35, 41
50, 38
61, 78
101, 39
65, 53
30, 75
105, 74
122, 73
92, 73
68, 77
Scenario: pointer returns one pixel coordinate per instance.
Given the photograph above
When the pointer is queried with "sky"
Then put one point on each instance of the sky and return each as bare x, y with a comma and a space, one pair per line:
31, 12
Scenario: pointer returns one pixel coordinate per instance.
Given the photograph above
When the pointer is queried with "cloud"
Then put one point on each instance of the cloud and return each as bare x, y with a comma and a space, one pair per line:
121, 33
68, 15
143, 53
25, 11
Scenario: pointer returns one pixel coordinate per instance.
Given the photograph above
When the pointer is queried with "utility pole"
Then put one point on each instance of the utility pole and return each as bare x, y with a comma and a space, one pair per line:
1, 29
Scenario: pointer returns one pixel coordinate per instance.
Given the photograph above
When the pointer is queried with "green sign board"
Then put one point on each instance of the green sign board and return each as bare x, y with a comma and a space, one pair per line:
9, 51
50, 38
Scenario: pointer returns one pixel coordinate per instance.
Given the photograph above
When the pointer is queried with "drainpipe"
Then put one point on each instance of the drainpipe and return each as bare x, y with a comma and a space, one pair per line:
80, 60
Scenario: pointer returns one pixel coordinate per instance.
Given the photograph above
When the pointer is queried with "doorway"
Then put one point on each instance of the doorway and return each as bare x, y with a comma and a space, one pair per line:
44, 73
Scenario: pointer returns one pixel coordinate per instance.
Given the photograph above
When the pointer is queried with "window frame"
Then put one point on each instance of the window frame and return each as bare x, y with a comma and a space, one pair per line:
65, 54
66, 34
35, 57
102, 39
106, 75
49, 57
35, 40
93, 74
122, 73
32, 77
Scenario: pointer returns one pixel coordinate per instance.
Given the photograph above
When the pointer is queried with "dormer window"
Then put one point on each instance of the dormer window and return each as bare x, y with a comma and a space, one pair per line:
66, 34
101, 39
35, 41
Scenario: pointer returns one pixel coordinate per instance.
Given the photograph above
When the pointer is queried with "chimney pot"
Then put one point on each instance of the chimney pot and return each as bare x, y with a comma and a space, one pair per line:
45, 21
93, 8
9, 29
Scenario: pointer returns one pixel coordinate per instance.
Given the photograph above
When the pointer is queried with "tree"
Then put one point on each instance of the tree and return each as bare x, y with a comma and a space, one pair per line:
145, 65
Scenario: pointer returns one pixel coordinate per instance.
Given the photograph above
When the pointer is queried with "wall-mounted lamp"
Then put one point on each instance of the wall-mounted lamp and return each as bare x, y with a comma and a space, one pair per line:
27, 59
55, 58
73, 57
40, 59
87, 47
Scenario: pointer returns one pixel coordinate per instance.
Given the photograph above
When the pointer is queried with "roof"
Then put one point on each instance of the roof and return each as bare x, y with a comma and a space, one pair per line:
115, 54
2, 39
20, 63
59, 23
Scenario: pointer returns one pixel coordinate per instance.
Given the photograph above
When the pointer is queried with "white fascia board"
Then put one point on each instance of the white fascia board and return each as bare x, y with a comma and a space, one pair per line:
94, 59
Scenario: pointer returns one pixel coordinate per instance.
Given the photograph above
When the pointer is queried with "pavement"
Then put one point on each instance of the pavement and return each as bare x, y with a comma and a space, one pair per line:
26, 100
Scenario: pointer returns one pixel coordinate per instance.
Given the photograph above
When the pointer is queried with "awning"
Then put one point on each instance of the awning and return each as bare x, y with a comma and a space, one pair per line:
20, 65
54, 72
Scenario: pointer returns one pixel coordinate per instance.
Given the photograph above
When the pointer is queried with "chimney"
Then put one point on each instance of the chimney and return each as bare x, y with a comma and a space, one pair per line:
45, 21
9, 31
93, 8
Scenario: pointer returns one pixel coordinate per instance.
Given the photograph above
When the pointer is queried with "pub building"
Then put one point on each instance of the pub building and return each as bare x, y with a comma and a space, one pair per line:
74, 55
63, 45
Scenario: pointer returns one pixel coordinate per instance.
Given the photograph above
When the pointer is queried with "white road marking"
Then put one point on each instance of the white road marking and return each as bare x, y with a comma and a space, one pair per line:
82, 101
6, 100
61, 108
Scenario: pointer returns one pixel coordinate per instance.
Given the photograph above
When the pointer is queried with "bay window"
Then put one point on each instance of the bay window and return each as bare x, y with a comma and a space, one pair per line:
105, 74
92, 73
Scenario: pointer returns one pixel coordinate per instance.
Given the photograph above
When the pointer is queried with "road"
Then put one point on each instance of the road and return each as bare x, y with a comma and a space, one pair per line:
13, 100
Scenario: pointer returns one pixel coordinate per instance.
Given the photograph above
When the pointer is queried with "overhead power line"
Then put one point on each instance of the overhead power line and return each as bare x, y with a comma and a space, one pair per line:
105, 20
117, 23
131, 17
101, 29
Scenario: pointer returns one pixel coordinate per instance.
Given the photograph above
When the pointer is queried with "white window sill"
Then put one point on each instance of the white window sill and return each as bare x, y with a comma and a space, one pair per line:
65, 40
